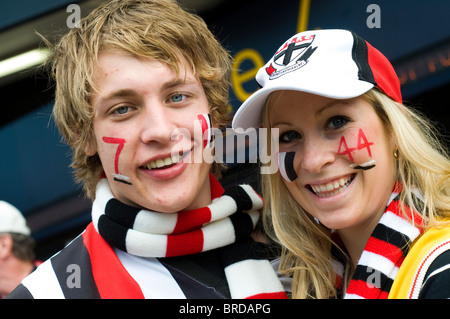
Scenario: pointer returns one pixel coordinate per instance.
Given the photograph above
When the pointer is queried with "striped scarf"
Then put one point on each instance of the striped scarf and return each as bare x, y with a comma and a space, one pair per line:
226, 223
384, 252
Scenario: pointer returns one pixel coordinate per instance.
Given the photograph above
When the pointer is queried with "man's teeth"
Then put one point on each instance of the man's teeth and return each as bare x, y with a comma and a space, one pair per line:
161, 162
332, 188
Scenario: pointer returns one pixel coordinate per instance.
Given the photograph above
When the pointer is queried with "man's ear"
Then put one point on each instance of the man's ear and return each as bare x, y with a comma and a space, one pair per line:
6, 244
90, 149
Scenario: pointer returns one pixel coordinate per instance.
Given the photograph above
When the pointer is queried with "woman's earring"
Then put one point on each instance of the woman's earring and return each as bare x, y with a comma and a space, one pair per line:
396, 154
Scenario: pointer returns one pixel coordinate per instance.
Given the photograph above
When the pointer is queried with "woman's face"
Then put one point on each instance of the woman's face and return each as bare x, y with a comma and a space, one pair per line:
343, 157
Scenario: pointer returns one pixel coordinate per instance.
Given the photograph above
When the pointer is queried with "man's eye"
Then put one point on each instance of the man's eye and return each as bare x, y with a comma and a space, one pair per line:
177, 98
289, 136
337, 122
122, 109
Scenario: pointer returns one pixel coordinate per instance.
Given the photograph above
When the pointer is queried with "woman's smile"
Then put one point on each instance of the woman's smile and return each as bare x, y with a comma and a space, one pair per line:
331, 188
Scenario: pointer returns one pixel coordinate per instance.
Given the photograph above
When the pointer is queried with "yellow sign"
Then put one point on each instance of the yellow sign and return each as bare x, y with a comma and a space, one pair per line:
239, 77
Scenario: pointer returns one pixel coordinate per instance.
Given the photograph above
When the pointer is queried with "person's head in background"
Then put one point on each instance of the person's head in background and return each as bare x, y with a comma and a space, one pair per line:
16, 248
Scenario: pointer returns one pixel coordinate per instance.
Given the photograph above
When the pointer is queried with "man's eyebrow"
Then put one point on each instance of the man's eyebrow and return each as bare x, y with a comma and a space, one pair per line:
130, 92
118, 93
177, 82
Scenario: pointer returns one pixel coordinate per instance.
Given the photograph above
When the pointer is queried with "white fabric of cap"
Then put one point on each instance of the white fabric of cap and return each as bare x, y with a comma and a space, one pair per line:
329, 71
12, 220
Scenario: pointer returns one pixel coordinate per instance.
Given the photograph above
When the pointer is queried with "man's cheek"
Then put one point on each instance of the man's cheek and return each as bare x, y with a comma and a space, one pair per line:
113, 157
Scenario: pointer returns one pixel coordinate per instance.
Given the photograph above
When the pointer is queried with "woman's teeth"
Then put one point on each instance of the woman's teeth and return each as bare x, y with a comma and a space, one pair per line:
332, 188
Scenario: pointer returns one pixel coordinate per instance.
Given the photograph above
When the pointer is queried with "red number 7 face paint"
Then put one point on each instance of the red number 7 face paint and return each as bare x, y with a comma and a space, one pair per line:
121, 143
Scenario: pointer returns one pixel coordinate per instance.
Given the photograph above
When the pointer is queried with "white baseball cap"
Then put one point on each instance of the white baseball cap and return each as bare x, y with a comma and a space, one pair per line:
332, 63
12, 220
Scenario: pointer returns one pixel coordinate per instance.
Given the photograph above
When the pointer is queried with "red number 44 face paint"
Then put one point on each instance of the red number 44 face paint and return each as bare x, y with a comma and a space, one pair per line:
362, 143
286, 159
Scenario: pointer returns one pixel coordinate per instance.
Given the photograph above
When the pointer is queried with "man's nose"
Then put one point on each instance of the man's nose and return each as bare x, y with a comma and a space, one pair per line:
156, 124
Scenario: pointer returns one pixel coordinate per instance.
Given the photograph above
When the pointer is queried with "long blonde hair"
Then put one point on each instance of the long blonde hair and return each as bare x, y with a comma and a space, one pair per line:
423, 164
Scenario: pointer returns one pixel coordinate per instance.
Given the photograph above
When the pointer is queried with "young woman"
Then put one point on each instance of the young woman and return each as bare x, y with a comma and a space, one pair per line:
362, 197
139, 86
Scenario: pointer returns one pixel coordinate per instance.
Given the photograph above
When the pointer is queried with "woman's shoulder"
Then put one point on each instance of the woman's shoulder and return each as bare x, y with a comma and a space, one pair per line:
435, 263
436, 283
426, 264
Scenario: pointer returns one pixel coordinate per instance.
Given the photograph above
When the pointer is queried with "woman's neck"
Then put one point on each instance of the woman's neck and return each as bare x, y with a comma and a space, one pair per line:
356, 236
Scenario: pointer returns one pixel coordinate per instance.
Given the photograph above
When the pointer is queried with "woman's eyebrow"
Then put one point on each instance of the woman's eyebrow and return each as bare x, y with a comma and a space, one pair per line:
329, 105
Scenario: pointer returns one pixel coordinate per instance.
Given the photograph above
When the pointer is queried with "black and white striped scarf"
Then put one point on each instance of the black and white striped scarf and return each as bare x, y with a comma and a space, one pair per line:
227, 221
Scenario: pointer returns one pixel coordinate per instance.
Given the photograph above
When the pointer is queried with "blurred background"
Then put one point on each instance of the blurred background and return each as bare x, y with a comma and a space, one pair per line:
34, 162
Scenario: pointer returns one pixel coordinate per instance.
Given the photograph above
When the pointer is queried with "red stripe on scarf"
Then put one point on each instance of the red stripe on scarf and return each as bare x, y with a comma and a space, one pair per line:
269, 295
385, 249
185, 244
111, 277
191, 220
216, 189
365, 289
396, 209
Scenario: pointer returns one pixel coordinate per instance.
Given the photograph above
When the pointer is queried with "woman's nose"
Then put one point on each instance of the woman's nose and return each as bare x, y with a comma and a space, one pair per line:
315, 154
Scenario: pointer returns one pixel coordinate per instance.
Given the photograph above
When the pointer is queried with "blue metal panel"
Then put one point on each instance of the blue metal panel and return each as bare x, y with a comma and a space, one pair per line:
15, 12
34, 163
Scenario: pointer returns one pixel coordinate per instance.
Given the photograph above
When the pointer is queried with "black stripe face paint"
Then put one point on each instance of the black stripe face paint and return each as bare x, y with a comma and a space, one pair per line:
286, 166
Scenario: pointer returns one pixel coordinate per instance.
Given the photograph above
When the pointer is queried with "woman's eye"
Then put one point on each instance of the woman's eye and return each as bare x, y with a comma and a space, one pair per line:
289, 136
177, 98
337, 122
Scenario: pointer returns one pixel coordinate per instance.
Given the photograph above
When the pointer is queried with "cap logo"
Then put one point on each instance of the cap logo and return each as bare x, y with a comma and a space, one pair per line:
293, 55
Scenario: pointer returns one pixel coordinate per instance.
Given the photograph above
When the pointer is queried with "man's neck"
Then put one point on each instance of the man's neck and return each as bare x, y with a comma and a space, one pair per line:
12, 272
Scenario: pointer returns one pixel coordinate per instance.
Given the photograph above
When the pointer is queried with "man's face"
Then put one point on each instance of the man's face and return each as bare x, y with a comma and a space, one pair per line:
144, 123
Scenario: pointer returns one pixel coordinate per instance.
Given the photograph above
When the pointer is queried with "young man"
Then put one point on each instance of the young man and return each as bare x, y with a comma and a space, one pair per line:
136, 83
